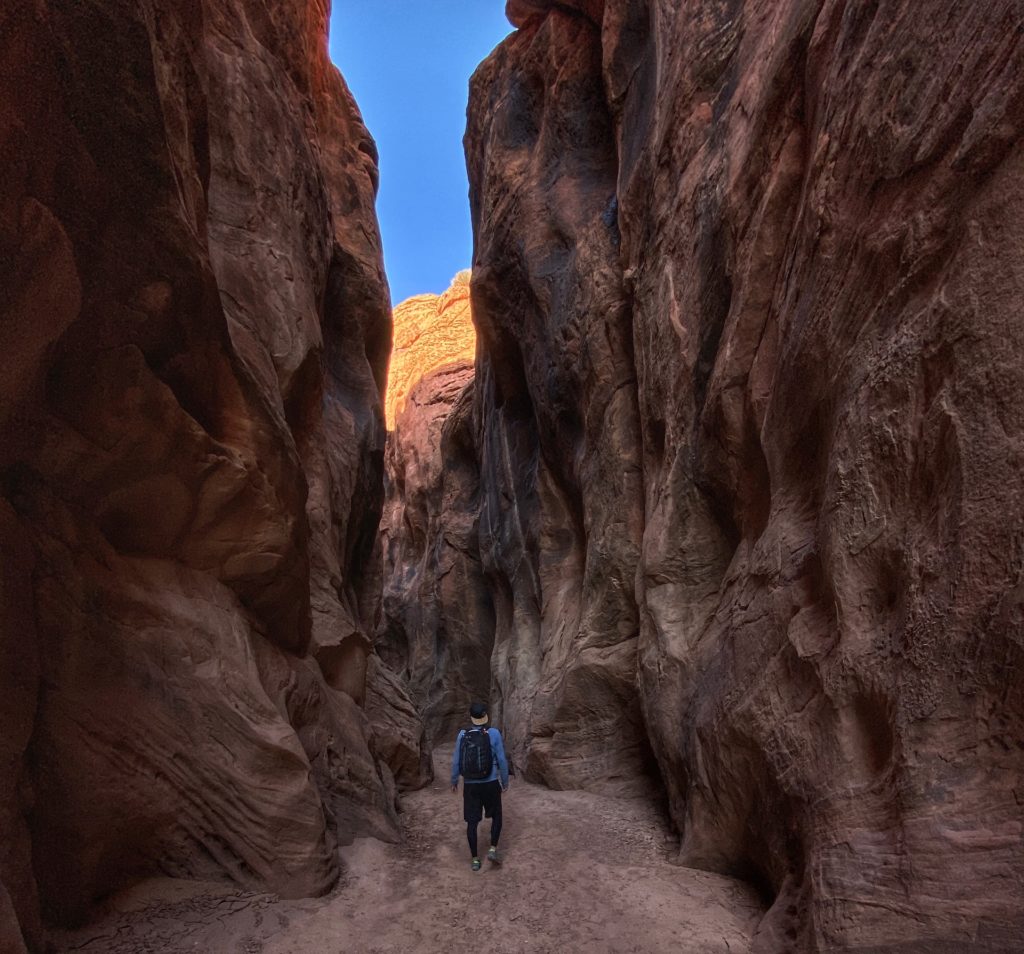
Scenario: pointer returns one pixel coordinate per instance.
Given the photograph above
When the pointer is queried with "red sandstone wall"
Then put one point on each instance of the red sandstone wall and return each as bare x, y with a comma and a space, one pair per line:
196, 332
437, 625
748, 280
431, 332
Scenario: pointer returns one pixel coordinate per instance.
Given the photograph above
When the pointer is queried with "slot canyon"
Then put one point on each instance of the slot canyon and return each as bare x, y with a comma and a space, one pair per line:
707, 474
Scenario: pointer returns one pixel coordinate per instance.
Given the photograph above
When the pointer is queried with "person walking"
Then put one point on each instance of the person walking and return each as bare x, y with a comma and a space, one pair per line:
479, 758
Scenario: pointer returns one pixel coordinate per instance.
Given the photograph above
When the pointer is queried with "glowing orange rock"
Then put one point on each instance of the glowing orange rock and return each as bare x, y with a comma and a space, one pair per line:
431, 331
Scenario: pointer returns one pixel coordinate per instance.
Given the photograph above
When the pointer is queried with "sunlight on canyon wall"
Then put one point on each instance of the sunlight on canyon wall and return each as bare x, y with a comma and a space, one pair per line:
431, 331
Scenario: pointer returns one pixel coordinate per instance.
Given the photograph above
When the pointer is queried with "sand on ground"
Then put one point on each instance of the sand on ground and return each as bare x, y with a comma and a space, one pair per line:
581, 872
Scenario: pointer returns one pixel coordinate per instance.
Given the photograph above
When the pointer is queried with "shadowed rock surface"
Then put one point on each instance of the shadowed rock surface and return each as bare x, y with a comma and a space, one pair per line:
196, 331
437, 626
747, 280
562, 495
729, 507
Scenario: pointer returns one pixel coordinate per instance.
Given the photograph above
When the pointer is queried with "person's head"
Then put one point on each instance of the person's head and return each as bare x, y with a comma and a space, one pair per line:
478, 713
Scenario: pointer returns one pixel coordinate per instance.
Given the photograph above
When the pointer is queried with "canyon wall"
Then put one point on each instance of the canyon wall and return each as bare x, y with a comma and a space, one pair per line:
196, 332
430, 332
749, 422
437, 625
562, 486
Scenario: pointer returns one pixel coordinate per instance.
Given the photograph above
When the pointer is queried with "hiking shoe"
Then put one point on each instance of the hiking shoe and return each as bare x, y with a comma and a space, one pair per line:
475, 864
492, 856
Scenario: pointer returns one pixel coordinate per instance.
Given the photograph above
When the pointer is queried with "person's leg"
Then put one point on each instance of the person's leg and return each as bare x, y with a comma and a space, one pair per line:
472, 811
494, 810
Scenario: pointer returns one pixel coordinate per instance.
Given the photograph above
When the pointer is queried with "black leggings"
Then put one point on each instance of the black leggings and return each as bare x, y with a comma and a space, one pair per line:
495, 833
478, 798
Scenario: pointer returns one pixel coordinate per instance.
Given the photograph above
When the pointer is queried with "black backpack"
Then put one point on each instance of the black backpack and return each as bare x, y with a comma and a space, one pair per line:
475, 758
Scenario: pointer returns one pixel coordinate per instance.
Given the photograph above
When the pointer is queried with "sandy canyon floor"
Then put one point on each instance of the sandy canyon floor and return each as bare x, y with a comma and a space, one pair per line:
581, 872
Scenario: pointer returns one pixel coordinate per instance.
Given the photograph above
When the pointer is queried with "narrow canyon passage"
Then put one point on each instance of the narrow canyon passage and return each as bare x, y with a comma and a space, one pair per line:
581, 873
709, 478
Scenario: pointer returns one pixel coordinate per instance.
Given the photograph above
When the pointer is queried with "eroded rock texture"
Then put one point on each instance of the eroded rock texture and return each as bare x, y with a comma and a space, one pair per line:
196, 330
437, 626
431, 332
748, 280
562, 506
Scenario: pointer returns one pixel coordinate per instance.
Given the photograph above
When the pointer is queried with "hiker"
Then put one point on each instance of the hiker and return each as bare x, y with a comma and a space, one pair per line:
480, 759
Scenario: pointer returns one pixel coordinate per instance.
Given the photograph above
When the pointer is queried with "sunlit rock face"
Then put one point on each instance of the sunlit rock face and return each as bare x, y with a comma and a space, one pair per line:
431, 331
196, 331
437, 626
747, 279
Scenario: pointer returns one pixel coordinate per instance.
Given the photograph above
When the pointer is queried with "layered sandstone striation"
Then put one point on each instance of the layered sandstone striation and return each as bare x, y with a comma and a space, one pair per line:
431, 331
747, 280
437, 625
196, 332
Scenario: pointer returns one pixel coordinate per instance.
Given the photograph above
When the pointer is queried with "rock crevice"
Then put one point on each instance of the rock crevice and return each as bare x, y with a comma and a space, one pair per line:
437, 626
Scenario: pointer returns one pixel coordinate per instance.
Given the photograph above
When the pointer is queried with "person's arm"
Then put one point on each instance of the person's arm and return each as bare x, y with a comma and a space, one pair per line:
455, 760
499, 752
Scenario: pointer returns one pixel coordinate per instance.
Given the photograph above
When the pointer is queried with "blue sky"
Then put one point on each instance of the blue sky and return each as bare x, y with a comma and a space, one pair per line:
408, 62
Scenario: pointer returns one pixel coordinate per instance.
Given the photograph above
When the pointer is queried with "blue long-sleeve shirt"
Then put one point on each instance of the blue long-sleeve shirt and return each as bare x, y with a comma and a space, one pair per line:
499, 764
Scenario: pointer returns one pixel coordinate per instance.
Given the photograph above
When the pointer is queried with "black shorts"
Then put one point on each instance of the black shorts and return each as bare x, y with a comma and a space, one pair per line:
481, 799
